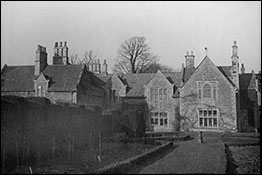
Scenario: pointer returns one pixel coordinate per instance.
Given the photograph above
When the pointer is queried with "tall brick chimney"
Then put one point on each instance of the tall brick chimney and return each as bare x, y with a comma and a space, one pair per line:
104, 68
189, 59
41, 60
60, 54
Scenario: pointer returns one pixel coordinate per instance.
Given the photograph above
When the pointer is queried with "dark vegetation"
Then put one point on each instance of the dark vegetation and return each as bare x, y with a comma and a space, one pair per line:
36, 133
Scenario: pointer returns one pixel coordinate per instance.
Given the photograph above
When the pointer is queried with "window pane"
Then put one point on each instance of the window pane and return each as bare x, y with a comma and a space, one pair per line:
210, 122
151, 114
160, 94
214, 112
209, 112
205, 121
205, 112
200, 112
207, 91
165, 114
215, 122
200, 121
156, 114
161, 114
156, 121
152, 120
199, 94
161, 122
165, 121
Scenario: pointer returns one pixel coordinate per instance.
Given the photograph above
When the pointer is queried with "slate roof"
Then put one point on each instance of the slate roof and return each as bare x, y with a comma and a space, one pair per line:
245, 82
226, 70
187, 73
174, 77
137, 80
17, 78
104, 78
136, 83
61, 77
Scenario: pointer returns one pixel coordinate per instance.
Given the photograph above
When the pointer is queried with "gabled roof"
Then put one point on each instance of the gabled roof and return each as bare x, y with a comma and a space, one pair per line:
187, 73
225, 70
137, 80
17, 78
136, 83
174, 77
61, 77
104, 78
136, 92
246, 82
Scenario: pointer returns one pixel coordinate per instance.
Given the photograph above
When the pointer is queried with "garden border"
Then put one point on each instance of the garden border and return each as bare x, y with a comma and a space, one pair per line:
125, 165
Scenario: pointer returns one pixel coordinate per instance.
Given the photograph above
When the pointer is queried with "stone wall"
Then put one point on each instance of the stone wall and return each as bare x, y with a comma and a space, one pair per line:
159, 81
225, 102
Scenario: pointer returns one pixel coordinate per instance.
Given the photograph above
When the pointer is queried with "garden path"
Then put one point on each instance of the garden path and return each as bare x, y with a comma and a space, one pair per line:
192, 157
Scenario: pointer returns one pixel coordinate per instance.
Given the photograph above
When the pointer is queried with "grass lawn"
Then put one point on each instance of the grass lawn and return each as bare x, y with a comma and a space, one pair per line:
87, 161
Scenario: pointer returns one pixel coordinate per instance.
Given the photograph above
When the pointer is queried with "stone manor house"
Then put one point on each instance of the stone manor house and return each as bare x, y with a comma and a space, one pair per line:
206, 97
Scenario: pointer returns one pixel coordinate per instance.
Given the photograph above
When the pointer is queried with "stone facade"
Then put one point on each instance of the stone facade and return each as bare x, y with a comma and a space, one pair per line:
215, 106
161, 107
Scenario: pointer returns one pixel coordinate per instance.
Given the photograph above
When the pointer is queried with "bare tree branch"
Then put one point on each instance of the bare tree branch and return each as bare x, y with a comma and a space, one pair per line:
136, 54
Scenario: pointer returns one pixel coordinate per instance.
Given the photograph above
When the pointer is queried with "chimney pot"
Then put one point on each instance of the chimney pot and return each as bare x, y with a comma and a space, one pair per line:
56, 44
65, 43
61, 43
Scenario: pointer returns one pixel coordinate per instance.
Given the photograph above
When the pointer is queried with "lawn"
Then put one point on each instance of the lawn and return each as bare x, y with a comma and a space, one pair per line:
87, 161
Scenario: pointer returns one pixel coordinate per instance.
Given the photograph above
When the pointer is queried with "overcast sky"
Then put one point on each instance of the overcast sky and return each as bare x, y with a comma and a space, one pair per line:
171, 28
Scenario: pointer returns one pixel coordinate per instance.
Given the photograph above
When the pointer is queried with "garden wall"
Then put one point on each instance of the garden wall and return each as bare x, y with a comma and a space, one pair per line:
34, 130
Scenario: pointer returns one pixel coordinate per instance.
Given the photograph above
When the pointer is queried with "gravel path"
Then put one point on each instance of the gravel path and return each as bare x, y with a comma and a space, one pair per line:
192, 157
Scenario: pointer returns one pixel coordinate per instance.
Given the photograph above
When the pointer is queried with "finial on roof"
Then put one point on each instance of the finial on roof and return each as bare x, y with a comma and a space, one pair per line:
206, 50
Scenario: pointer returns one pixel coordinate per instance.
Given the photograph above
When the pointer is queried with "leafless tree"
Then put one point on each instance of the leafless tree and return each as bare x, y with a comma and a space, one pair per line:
74, 59
88, 56
134, 56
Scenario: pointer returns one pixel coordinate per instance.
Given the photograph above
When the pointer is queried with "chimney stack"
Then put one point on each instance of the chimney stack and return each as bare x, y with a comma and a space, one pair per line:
60, 54
41, 60
99, 66
104, 68
189, 59
242, 69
